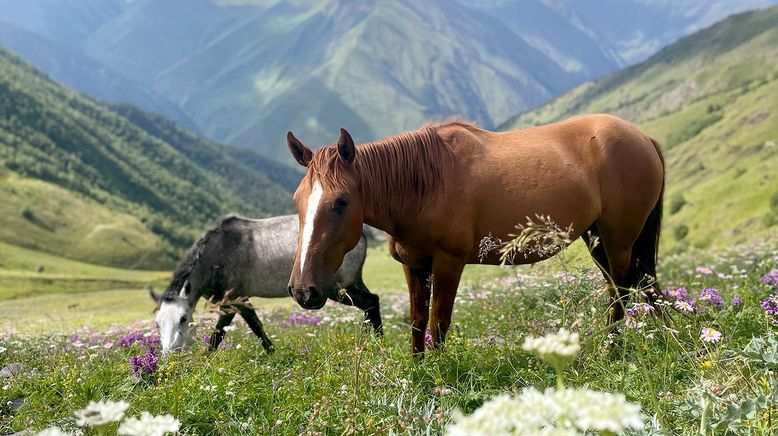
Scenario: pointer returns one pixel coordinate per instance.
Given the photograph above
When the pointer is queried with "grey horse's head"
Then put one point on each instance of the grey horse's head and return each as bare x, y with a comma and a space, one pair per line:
175, 317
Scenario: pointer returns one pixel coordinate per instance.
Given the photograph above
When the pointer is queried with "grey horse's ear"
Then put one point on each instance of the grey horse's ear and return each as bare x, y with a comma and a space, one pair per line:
301, 153
184, 293
346, 148
155, 296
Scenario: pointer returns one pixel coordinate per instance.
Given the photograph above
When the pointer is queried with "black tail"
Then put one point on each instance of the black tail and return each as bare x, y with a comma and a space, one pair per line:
644, 252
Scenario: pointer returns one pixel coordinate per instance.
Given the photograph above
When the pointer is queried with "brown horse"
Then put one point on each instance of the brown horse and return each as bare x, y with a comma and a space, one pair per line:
440, 190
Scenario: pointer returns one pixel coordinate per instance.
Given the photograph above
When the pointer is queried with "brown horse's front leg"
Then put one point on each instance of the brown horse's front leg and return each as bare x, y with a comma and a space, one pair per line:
446, 272
420, 299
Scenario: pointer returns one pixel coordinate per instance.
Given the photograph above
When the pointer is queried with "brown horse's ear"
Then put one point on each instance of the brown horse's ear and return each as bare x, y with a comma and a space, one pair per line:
301, 153
346, 148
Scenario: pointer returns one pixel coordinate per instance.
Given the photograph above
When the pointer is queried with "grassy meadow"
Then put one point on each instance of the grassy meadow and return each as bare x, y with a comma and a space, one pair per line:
329, 375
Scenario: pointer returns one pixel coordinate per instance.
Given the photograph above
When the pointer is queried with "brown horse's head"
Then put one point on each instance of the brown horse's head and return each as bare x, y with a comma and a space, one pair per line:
329, 204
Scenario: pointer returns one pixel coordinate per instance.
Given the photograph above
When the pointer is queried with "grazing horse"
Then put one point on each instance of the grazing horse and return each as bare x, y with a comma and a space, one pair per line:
249, 258
438, 191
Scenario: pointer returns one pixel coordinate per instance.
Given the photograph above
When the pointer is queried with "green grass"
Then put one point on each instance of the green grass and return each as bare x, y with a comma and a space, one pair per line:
76, 294
28, 273
46, 217
335, 378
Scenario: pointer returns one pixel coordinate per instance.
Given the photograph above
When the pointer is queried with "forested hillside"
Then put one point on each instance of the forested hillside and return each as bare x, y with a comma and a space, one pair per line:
111, 184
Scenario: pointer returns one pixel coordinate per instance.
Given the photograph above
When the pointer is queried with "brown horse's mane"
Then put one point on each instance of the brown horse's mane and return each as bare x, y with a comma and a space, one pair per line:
411, 169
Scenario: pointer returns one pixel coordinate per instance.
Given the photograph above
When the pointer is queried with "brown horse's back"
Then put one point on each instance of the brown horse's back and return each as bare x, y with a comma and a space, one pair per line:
579, 171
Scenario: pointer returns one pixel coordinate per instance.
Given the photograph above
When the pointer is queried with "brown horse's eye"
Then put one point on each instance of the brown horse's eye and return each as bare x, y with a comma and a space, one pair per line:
340, 204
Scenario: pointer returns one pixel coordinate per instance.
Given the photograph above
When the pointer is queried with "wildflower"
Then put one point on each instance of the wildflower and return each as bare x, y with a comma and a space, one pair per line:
2, 349
737, 301
665, 395
710, 335
678, 294
101, 412
704, 270
302, 318
771, 278
770, 306
145, 363
144, 339
149, 425
427, 339
52, 431
684, 306
558, 350
568, 411
712, 296
707, 364
638, 309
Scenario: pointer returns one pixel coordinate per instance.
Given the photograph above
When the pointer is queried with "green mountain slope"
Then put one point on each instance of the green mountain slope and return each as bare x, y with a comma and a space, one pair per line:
711, 100
112, 185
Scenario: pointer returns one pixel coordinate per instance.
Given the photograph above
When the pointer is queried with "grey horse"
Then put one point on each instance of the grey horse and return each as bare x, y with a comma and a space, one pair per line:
248, 258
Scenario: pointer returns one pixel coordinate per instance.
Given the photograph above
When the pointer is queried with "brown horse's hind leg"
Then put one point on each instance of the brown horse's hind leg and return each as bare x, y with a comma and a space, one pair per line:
591, 238
446, 272
618, 248
420, 298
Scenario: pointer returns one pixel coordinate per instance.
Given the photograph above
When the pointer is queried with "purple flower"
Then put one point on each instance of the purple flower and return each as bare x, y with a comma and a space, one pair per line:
679, 294
771, 278
140, 338
428, 339
145, 363
712, 296
302, 318
770, 307
737, 301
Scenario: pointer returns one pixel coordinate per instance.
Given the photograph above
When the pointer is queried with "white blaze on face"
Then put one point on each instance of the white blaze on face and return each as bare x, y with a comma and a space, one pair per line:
173, 333
314, 198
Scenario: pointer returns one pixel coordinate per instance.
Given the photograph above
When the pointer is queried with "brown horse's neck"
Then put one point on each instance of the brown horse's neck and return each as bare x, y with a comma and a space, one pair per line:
402, 175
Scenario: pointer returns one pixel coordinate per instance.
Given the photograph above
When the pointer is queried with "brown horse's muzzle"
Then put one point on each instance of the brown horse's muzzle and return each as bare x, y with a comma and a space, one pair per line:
308, 297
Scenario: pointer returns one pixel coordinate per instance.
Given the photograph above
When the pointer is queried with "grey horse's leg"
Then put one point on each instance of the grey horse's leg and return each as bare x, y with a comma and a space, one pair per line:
256, 326
361, 297
218, 333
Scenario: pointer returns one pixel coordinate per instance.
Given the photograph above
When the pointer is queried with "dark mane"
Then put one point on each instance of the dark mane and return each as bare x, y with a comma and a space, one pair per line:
193, 256
406, 170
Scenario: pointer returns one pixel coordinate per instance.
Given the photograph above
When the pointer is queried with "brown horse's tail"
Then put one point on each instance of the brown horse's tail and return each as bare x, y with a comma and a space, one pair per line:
644, 252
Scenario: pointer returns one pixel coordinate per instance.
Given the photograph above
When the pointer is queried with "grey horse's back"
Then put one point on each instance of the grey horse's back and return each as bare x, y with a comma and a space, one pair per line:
257, 255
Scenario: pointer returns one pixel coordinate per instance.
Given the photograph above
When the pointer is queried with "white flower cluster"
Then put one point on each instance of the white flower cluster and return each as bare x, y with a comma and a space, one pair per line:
553, 412
149, 425
98, 413
101, 412
558, 350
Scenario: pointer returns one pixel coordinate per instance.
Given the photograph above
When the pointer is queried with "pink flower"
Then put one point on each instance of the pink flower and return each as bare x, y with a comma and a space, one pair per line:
710, 335
108, 345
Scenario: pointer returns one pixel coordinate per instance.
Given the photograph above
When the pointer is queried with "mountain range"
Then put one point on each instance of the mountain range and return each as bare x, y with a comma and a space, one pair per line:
245, 71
